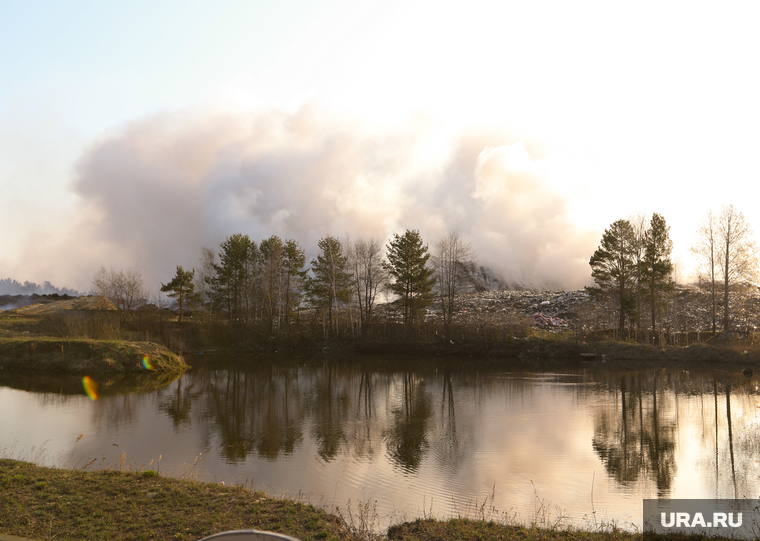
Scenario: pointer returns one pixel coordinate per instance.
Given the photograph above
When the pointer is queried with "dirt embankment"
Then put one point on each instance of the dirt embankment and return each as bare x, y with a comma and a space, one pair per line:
90, 356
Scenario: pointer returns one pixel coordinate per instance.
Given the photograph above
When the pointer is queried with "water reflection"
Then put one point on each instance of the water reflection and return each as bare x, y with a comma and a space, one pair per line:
404, 430
635, 436
638, 430
407, 433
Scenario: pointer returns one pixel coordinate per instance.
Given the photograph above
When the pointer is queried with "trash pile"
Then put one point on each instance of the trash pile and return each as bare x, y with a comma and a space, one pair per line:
686, 308
540, 320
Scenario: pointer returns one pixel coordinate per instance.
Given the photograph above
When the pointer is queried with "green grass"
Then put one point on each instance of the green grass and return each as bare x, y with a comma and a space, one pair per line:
43, 503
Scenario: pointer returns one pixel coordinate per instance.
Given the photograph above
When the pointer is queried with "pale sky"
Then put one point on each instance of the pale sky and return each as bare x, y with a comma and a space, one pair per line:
132, 134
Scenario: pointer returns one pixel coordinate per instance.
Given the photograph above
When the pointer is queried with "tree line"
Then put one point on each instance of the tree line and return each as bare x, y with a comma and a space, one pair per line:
633, 265
267, 289
268, 286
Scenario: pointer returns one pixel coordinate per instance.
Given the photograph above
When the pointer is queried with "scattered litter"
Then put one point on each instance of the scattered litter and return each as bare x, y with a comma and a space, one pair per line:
548, 321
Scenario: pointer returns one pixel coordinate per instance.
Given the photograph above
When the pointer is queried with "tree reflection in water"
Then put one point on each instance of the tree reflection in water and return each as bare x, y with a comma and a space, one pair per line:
635, 436
406, 435
329, 412
437, 418
636, 432
253, 410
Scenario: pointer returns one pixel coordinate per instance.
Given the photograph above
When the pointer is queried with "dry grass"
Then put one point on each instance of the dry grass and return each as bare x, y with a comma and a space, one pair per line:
81, 355
44, 503
77, 303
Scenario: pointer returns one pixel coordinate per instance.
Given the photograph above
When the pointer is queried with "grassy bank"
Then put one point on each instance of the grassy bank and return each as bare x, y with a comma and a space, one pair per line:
44, 503
86, 356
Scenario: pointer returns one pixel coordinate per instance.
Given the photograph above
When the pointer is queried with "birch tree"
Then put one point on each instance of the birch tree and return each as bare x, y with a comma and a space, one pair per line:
738, 253
368, 276
294, 262
706, 251
454, 266
123, 287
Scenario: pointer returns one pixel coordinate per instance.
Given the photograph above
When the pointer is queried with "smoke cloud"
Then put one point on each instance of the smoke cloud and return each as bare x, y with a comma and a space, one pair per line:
164, 186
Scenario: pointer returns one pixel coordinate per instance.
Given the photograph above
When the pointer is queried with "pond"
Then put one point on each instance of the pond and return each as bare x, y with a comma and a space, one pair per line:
413, 436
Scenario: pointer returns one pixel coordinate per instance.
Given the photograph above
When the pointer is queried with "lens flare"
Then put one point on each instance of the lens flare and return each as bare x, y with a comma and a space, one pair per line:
90, 387
147, 365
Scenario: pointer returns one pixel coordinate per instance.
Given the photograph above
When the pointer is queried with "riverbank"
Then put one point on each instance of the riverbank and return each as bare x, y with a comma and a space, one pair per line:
43, 503
87, 356
561, 349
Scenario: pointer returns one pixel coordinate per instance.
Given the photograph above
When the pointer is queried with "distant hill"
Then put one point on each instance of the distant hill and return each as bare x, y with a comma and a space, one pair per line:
9, 286
49, 304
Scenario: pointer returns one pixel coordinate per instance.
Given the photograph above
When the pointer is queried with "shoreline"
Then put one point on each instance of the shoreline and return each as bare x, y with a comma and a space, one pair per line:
46, 503
110, 504
72, 355
79, 355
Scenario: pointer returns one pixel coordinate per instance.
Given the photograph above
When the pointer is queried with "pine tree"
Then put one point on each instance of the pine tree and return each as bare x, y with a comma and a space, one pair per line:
412, 280
295, 259
656, 264
235, 275
330, 282
182, 288
613, 267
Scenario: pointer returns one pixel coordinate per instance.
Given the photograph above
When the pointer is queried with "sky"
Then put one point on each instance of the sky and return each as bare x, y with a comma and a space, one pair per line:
132, 134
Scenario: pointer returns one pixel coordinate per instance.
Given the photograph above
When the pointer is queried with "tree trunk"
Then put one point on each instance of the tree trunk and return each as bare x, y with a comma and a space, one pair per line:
725, 290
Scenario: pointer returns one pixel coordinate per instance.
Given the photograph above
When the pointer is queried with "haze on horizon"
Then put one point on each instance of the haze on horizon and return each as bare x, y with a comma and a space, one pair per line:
133, 135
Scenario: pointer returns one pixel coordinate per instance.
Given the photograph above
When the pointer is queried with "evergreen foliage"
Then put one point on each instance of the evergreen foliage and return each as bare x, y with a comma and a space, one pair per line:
295, 275
412, 280
235, 277
656, 264
613, 267
330, 280
182, 288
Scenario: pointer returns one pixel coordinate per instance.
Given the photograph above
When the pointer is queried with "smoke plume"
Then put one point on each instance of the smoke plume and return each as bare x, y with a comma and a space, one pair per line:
164, 186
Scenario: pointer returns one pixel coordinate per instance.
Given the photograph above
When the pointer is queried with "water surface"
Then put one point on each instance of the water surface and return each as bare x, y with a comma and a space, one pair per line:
417, 436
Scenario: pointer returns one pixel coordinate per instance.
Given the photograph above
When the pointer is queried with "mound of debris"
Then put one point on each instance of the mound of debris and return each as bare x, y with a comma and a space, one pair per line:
550, 309
684, 309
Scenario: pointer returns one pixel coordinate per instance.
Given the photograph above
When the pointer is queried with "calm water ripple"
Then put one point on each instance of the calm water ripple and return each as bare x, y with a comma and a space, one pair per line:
415, 436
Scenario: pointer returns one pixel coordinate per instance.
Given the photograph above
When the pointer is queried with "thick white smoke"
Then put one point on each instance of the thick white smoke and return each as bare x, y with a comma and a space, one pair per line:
165, 186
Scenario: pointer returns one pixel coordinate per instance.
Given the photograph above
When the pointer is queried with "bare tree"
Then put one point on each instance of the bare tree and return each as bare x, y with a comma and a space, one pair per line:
131, 288
123, 287
706, 251
204, 274
738, 253
272, 283
368, 275
454, 270
104, 284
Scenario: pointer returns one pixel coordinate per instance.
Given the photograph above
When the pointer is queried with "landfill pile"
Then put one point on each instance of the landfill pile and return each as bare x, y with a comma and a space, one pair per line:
684, 309
553, 310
